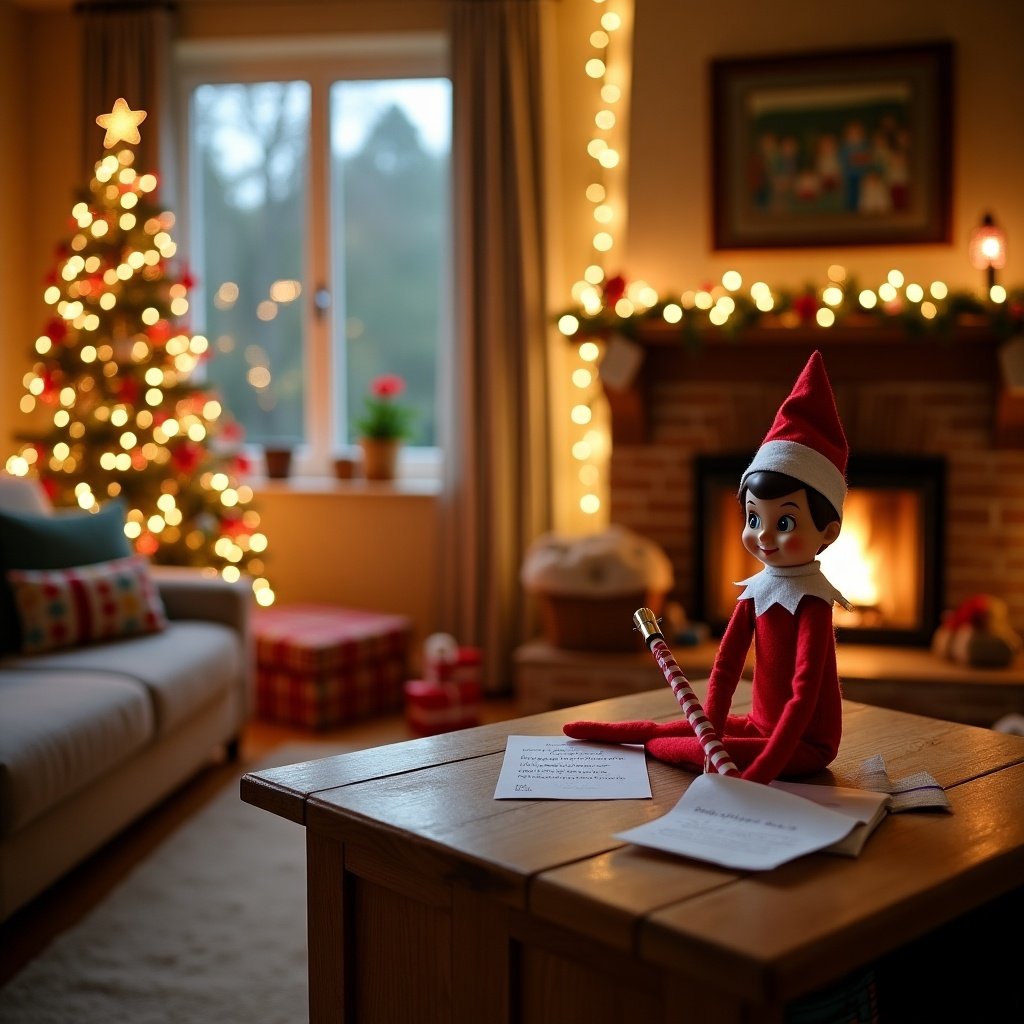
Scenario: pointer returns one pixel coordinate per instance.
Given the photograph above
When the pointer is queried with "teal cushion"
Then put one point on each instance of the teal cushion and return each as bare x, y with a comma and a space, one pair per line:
60, 541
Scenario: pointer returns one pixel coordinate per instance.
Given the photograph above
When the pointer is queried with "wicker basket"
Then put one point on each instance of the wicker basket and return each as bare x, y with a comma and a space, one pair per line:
595, 623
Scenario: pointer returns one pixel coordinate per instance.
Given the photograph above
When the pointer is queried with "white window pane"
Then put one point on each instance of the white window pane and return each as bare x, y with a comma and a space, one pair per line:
390, 239
250, 155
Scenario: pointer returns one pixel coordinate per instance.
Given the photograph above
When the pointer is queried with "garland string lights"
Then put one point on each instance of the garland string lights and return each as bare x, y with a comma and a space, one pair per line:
927, 309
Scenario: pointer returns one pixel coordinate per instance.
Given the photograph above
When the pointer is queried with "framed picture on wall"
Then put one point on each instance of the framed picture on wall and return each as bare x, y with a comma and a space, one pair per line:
830, 148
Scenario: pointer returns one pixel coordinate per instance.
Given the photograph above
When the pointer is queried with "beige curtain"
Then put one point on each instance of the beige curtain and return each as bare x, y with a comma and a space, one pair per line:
497, 495
127, 53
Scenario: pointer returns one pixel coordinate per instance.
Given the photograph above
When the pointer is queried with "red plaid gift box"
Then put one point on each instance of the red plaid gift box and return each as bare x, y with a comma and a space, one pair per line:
432, 707
319, 666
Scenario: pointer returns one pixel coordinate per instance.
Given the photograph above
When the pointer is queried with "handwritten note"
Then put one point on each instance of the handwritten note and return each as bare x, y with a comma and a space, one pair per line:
559, 768
741, 824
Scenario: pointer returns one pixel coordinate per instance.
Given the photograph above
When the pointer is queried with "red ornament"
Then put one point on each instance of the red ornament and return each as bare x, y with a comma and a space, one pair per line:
147, 545
231, 430
232, 528
186, 457
806, 306
614, 289
128, 390
51, 385
57, 330
159, 332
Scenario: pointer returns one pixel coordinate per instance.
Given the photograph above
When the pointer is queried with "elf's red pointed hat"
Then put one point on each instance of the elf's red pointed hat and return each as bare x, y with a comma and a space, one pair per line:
807, 440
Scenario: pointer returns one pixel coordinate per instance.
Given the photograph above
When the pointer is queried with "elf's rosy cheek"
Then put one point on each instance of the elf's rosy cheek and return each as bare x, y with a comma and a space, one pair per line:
797, 546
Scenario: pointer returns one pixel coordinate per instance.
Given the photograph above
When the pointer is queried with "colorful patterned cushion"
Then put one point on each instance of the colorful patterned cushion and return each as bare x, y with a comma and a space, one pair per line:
86, 603
58, 541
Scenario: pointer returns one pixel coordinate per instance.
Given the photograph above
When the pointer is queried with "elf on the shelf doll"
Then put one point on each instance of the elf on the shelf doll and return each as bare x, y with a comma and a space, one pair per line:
792, 495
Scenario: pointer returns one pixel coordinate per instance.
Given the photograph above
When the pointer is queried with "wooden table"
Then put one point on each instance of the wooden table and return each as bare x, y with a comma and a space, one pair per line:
428, 900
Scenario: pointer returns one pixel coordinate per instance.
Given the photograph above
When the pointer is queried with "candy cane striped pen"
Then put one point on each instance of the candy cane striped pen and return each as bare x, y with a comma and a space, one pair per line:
647, 623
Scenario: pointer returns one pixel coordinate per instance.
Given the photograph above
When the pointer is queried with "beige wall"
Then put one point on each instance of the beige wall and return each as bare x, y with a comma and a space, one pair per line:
365, 548
15, 187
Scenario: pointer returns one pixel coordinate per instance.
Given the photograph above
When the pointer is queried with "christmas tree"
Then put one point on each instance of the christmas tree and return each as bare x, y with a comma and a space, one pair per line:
111, 395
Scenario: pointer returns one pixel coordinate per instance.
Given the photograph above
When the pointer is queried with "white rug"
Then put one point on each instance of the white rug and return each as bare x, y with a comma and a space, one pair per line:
209, 929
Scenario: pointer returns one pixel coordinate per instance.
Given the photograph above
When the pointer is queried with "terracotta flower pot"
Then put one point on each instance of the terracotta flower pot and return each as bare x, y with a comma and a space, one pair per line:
380, 457
278, 461
344, 467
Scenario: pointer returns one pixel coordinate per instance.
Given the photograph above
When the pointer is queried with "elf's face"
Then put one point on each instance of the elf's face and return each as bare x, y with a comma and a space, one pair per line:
781, 531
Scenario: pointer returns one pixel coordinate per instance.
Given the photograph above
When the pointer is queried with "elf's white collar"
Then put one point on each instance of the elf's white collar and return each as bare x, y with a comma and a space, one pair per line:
786, 584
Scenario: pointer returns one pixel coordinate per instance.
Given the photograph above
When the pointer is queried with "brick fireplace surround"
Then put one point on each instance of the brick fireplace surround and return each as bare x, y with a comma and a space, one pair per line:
895, 394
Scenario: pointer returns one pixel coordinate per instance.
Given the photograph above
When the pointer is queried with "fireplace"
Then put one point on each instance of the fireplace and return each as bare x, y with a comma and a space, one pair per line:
888, 560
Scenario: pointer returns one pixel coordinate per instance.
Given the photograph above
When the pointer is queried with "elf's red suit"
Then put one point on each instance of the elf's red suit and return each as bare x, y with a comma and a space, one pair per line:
795, 721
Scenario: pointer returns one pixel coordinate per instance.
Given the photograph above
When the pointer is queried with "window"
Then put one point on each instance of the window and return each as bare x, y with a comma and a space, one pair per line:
318, 227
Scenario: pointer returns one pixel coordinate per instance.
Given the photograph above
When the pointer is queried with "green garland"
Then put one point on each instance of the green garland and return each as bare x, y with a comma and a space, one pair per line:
798, 309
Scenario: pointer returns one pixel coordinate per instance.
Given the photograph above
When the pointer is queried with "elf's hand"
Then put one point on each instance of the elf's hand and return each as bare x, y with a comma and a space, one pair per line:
625, 732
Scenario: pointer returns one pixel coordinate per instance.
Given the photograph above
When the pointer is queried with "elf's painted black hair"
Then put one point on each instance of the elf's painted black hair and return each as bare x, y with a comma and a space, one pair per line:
768, 484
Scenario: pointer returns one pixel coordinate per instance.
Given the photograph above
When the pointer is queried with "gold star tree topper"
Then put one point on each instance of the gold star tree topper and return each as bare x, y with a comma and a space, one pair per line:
122, 124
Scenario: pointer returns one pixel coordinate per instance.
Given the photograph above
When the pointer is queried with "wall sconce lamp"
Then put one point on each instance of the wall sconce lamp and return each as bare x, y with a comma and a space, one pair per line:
987, 248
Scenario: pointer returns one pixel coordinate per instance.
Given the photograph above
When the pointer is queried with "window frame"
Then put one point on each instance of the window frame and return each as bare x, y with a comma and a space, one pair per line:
319, 61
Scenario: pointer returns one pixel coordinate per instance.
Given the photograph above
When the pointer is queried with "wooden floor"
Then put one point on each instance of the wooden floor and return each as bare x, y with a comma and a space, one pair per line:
30, 930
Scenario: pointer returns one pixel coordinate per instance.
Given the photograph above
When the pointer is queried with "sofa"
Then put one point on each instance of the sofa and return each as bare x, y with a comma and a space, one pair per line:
93, 734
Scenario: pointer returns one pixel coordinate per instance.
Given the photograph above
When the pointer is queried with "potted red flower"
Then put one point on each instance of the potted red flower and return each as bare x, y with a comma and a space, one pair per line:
384, 424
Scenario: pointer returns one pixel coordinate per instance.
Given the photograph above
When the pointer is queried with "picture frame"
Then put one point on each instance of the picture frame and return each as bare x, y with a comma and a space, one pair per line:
844, 147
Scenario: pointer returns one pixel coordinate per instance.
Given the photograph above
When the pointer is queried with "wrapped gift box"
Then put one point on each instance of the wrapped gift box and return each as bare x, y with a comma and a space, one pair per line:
452, 665
320, 666
432, 707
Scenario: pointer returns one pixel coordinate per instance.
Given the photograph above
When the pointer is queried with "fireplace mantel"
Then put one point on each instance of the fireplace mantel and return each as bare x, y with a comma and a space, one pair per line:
777, 354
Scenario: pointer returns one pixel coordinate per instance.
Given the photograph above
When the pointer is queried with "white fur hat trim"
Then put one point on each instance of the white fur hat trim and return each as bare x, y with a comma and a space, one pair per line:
804, 464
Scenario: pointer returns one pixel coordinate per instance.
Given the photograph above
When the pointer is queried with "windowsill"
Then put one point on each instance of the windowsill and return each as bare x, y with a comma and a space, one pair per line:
400, 487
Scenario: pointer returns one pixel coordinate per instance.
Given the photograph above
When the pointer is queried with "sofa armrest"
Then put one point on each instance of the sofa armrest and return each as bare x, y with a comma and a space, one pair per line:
189, 593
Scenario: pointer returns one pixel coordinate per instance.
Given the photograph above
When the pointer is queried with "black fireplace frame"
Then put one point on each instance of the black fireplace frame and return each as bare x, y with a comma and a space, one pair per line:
925, 474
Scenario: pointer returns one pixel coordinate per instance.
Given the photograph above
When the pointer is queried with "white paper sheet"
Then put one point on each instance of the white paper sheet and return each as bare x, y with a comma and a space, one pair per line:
560, 768
739, 824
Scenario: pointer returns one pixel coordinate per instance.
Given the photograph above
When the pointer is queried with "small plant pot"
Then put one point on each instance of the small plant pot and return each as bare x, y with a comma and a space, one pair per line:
344, 468
278, 462
380, 457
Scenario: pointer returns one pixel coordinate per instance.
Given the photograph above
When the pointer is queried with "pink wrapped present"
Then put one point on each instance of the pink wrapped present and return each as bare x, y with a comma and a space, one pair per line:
432, 707
320, 666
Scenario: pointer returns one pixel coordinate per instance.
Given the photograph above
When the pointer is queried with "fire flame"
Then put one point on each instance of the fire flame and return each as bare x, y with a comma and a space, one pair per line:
850, 567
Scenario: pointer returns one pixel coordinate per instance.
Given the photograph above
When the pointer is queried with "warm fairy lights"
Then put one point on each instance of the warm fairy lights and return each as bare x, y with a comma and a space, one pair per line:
916, 306
110, 396
590, 442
